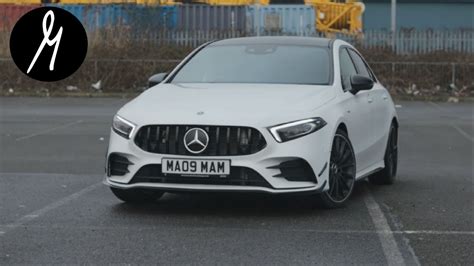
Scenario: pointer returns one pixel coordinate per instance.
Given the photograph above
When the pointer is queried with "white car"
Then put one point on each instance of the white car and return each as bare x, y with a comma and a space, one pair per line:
260, 114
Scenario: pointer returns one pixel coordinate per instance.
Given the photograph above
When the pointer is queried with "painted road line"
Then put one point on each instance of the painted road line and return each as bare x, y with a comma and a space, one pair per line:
396, 223
457, 128
437, 106
30, 217
213, 228
463, 133
48, 130
384, 232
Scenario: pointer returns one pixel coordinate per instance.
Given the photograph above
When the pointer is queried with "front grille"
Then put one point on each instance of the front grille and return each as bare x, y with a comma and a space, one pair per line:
239, 176
223, 140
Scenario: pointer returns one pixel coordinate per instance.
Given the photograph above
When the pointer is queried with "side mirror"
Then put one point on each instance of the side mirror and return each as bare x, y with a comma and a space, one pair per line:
360, 83
156, 79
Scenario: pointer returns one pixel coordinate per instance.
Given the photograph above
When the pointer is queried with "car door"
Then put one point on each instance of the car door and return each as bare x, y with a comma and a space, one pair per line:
378, 104
358, 112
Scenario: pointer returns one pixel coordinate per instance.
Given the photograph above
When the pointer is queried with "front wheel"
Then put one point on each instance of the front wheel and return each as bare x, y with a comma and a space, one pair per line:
387, 175
137, 195
342, 172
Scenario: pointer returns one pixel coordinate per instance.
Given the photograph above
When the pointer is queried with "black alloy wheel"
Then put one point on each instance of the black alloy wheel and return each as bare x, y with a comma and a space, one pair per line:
342, 171
387, 175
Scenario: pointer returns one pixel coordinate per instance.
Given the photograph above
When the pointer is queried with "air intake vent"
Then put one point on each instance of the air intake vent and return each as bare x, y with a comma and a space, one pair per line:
295, 170
118, 165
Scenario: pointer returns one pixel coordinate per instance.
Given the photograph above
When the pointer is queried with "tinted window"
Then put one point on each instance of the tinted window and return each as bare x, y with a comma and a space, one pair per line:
347, 68
360, 64
258, 63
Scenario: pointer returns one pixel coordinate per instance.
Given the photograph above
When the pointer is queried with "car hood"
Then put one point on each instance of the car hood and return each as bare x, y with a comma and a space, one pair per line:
226, 104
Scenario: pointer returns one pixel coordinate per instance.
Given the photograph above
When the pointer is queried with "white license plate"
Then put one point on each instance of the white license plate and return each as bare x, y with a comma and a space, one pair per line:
195, 167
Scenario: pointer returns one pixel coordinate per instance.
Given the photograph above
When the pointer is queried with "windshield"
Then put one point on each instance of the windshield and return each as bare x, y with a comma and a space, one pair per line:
257, 63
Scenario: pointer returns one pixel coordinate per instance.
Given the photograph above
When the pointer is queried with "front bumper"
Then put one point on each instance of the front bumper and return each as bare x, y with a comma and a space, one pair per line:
313, 148
169, 187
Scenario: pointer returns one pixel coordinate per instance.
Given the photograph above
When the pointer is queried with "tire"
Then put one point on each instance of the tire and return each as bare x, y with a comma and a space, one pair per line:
387, 175
137, 195
342, 172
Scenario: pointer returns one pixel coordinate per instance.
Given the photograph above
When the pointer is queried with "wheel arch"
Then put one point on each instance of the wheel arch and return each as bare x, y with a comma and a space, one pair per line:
343, 127
339, 125
395, 122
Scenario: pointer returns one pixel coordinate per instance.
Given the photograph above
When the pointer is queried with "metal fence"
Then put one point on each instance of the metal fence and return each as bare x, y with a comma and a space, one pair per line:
403, 43
419, 41
191, 25
426, 78
130, 75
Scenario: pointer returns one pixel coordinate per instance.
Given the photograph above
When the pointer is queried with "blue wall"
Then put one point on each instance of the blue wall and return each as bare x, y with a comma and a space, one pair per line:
137, 17
293, 19
420, 15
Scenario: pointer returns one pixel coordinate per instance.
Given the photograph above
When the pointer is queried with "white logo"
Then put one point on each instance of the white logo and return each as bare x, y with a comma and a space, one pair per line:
196, 140
55, 41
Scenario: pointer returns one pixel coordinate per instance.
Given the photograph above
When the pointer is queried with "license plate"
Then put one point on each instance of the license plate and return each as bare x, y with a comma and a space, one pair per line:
195, 167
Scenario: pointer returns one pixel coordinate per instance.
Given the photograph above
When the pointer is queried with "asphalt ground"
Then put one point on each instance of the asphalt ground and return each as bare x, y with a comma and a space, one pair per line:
54, 209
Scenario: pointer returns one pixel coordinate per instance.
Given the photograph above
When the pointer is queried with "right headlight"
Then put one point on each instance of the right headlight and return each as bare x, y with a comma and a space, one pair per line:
297, 129
123, 127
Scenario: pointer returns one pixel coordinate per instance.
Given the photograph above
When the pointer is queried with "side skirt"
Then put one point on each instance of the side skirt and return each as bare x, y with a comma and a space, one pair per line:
370, 170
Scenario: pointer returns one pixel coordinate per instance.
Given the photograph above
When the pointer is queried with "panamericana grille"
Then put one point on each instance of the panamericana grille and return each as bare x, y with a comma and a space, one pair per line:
239, 176
223, 140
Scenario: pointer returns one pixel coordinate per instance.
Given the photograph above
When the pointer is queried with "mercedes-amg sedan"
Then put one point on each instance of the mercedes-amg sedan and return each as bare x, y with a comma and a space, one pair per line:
261, 114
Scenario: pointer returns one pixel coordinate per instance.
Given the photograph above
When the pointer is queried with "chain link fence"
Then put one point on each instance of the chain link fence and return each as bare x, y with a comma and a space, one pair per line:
426, 78
416, 79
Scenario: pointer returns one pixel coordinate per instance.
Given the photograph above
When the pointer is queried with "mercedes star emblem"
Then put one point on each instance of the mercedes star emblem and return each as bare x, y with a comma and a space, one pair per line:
196, 140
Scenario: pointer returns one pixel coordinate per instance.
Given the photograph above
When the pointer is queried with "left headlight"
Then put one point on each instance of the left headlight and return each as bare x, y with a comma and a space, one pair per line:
293, 130
123, 127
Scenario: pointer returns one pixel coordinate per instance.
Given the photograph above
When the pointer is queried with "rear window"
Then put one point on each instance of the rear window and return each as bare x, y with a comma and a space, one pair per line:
258, 63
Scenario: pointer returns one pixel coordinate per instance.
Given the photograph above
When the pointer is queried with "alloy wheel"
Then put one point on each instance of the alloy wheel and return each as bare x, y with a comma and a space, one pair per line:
341, 169
392, 153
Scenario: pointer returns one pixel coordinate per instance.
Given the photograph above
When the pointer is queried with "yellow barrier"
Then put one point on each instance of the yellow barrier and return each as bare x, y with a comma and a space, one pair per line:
233, 2
343, 16
92, 2
140, 2
157, 2
338, 17
21, 2
67, 2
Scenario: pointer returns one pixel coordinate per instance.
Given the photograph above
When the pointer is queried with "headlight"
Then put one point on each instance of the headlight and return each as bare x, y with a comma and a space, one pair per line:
296, 129
123, 127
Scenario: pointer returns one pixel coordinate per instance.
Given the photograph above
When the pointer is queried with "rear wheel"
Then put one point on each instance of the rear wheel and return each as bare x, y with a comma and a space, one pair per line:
137, 195
387, 175
342, 171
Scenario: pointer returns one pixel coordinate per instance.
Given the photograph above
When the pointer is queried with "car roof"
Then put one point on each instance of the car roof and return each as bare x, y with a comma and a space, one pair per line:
282, 40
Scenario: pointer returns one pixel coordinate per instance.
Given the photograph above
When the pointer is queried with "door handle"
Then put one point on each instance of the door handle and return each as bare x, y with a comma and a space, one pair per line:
385, 97
370, 100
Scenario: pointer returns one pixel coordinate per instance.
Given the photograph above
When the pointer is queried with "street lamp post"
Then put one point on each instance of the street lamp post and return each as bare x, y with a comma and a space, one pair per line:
393, 22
